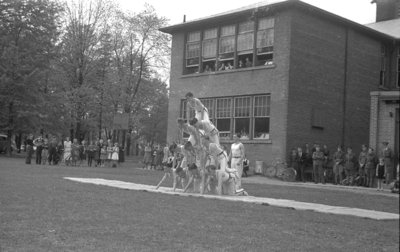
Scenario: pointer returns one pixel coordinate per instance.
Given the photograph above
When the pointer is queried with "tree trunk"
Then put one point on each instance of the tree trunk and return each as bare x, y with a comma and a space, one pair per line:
10, 127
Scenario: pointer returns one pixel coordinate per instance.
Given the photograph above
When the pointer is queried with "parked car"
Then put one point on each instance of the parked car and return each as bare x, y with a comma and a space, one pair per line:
3, 143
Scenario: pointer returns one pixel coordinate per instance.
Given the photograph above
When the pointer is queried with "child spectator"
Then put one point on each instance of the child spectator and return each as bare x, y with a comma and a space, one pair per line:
380, 173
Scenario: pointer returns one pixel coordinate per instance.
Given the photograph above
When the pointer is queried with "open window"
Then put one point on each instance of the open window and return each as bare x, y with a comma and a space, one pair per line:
261, 120
226, 48
242, 117
265, 41
245, 44
223, 117
209, 52
192, 52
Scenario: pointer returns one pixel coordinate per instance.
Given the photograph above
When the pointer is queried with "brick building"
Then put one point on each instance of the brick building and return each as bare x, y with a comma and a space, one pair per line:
282, 74
384, 118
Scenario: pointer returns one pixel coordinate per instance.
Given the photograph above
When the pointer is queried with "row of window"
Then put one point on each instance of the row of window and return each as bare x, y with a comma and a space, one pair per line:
246, 44
247, 115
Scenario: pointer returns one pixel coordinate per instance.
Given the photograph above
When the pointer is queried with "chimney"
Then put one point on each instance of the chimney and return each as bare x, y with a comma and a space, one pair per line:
184, 18
387, 9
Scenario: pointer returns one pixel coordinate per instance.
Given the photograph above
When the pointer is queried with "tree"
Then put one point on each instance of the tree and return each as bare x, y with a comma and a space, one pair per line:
28, 34
140, 51
84, 58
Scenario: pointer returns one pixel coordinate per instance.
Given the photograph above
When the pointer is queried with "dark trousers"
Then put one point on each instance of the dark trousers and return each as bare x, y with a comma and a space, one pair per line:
39, 154
318, 172
300, 172
370, 177
52, 155
29, 152
90, 158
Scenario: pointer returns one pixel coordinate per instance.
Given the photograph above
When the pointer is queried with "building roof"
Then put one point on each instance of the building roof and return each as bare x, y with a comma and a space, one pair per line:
272, 5
389, 27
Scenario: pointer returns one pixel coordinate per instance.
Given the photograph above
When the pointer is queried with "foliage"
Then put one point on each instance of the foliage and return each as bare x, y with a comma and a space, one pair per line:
28, 32
68, 68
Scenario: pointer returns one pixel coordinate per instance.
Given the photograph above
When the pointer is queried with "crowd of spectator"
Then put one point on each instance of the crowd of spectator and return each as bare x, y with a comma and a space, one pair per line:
52, 150
344, 167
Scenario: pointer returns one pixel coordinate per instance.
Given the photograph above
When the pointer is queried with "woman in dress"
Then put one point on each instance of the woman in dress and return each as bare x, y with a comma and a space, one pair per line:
67, 151
147, 156
115, 155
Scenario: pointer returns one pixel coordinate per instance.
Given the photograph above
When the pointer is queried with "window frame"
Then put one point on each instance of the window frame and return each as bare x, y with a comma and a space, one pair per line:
229, 113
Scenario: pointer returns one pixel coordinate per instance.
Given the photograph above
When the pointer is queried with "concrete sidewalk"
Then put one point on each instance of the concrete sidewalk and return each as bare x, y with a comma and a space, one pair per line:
291, 204
258, 179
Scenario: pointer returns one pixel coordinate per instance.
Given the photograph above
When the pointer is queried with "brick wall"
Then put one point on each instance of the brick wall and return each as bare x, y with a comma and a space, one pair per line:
318, 79
262, 80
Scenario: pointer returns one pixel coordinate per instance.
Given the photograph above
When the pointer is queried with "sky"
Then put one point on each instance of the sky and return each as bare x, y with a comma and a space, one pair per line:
360, 11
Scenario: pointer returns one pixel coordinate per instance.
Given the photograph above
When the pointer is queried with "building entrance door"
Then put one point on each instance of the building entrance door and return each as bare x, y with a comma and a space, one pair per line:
396, 142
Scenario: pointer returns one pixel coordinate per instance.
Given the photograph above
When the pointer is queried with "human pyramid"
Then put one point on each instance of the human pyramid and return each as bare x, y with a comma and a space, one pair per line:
201, 162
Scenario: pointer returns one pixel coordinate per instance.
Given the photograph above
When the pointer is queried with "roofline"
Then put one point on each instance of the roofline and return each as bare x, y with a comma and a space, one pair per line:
271, 8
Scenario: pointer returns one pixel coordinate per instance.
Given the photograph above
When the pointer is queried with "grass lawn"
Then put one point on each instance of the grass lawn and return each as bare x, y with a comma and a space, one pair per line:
41, 211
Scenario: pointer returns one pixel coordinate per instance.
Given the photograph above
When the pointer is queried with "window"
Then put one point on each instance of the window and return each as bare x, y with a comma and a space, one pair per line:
226, 47
241, 45
261, 116
245, 44
193, 52
209, 104
265, 41
223, 117
242, 116
383, 66
398, 67
247, 115
209, 52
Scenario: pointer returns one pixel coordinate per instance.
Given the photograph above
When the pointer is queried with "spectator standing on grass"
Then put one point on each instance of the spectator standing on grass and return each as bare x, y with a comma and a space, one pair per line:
338, 168
45, 151
386, 154
293, 158
350, 163
52, 150
147, 156
91, 149
318, 162
38, 142
75, 152
362, 162
115, 155
308, 153
67, 151
326, 152
29, 149
103, 155
236, 156
370, 167
301, 160
109, 151
380, 173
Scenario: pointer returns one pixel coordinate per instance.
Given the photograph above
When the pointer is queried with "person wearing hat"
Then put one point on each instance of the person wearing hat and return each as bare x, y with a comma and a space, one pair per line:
338, 159
387, 155
370, 166
362, 161
318, 162
350, 163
